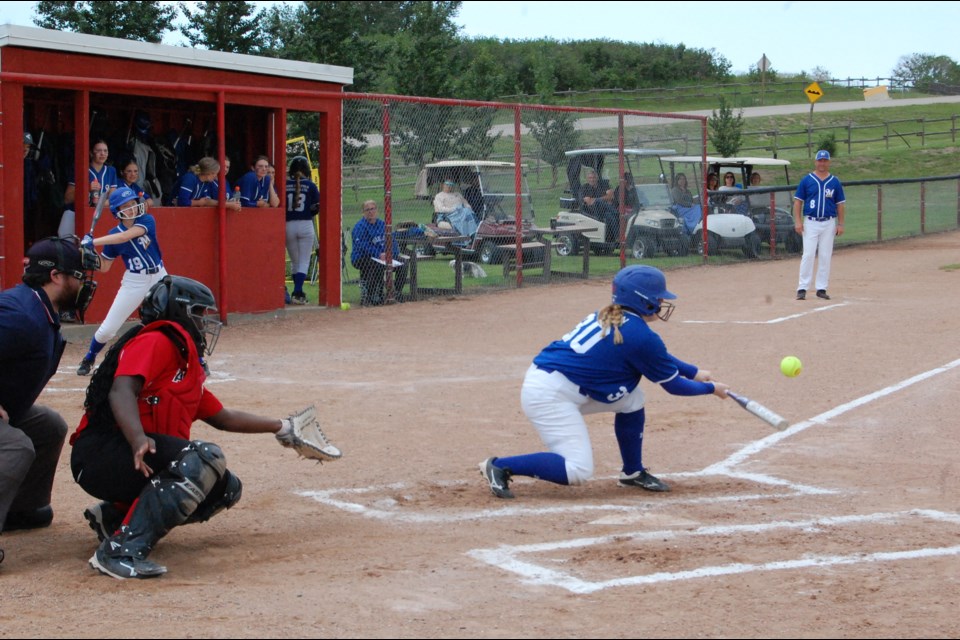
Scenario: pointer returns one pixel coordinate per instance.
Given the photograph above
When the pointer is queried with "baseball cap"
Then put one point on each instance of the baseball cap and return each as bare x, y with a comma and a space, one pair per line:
62, 254
823, 154
450, 182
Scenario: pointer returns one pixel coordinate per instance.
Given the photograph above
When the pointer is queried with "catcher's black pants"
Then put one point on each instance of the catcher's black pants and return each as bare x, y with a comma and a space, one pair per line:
102, 464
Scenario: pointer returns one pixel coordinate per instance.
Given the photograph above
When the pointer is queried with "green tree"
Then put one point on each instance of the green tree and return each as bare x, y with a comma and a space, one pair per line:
928, 73
224, 25
144, 21
726, 129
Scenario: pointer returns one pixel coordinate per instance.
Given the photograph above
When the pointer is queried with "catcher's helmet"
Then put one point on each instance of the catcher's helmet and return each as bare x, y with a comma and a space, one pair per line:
121, 197
300, 165
188, 303
643, 289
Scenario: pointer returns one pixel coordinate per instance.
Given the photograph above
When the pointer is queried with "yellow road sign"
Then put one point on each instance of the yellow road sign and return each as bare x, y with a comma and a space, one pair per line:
814, 92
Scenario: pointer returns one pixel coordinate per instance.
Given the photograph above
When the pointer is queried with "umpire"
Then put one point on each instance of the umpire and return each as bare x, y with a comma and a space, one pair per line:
31, 435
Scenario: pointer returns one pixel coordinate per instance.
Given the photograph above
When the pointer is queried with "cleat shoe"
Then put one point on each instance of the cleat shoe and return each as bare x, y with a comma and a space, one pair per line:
498, 478
802, 294
124, 567
822, 293
85, 367
104, 519
31, 519
644, 480
298, 298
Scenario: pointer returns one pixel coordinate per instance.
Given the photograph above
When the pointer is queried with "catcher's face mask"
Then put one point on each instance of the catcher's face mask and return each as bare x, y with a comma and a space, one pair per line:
207, 326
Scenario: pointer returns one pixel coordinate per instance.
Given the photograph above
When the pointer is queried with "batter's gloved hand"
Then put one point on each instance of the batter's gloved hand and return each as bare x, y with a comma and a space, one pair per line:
302, 432
87, 241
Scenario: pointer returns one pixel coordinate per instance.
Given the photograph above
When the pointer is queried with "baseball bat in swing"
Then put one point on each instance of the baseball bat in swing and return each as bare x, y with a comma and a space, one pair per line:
96, 214
775, 420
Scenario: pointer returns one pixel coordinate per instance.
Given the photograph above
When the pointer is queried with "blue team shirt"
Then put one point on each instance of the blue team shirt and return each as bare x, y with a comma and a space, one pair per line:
107, 177
305, 205
191, 188
252, 189
820, 197
140, 253
606, 371
144, 190
370, 240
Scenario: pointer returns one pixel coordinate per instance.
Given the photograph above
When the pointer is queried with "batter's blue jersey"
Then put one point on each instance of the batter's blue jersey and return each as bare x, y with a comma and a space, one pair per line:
140, 255
606, 371
820, 197
306, 204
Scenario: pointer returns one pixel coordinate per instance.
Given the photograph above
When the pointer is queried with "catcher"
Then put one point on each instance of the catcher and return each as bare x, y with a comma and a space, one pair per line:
132, 448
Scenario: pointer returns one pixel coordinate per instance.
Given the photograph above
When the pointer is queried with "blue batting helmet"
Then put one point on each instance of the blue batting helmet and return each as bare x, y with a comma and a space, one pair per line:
122, 196
642, 289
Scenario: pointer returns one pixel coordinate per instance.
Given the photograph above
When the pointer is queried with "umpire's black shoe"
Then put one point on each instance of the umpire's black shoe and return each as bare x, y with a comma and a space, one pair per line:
30, 519
644, 480
822, 293
498, 478
801, 294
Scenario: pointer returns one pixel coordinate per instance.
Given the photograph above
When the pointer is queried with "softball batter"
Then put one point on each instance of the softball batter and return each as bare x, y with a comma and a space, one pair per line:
134, 240
597, 368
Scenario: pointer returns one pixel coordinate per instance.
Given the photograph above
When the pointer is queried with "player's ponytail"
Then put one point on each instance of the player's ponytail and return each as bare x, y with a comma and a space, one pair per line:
612, 316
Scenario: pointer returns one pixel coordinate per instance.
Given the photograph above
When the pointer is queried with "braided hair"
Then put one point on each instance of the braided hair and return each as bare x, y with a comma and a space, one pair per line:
612, 316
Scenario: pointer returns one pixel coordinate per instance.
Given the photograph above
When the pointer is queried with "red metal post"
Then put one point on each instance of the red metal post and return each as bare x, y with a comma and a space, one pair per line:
222, 208
518, 237
706, 199
622, 235
388, 201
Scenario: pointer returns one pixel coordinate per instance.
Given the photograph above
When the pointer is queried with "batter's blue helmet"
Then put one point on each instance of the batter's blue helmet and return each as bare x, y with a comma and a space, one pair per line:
122, 196
642, 289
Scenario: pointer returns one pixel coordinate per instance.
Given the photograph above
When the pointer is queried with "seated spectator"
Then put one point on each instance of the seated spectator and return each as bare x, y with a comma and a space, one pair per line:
730, 184
256, 187
474, 196
681, 192
103, 182
596, 200
626, 192
130, 177
448, 200
369, 257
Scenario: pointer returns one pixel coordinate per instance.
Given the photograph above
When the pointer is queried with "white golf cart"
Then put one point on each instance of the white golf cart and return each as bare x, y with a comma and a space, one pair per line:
651, 228
490, 189
737, 219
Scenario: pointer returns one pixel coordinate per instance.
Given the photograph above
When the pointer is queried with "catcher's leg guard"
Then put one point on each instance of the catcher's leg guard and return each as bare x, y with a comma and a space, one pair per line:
223, 496
171, 498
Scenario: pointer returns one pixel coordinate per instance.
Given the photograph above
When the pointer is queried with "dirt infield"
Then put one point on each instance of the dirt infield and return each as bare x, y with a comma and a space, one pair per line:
845, 525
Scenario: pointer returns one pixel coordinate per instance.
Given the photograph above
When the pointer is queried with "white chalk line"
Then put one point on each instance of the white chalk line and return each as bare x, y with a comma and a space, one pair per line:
793, 316
506, 557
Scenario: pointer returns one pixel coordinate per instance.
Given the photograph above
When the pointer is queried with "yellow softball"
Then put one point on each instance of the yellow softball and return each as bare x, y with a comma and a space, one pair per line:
791, 366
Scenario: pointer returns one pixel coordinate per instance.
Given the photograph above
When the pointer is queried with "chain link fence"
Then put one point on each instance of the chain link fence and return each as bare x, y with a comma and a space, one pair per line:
477, 197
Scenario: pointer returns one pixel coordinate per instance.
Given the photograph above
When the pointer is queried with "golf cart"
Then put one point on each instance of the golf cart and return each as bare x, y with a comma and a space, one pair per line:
651, 228
741, 219
490, 221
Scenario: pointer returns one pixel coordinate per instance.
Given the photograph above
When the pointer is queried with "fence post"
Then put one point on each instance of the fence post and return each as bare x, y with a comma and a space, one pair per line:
923, 208
773, 224
518, 204
923, 132
879, 213
849, 137
886, 133
953, 128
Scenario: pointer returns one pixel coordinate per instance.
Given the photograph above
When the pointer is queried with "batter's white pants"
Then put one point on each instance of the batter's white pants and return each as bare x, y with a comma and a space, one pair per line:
301, 241
818, 236
133, 289
556, 408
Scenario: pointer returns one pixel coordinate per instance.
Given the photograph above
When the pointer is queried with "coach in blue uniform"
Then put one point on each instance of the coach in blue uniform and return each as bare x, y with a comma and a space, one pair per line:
818, 211
31, 435
597, 368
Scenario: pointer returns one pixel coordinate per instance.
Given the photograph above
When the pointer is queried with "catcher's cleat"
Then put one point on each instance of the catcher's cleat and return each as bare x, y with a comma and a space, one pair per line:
498, 478
85, 367
644, 480
104, 519
801, 294
822, 293
124, 567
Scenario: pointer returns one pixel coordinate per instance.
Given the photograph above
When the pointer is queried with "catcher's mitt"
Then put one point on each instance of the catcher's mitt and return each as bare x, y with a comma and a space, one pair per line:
302, 432
89, 258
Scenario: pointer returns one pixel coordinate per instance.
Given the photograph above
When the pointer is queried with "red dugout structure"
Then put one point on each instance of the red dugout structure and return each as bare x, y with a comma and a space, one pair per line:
66, 86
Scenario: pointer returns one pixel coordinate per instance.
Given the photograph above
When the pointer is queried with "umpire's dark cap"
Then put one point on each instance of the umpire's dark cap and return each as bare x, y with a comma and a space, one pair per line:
61, 254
